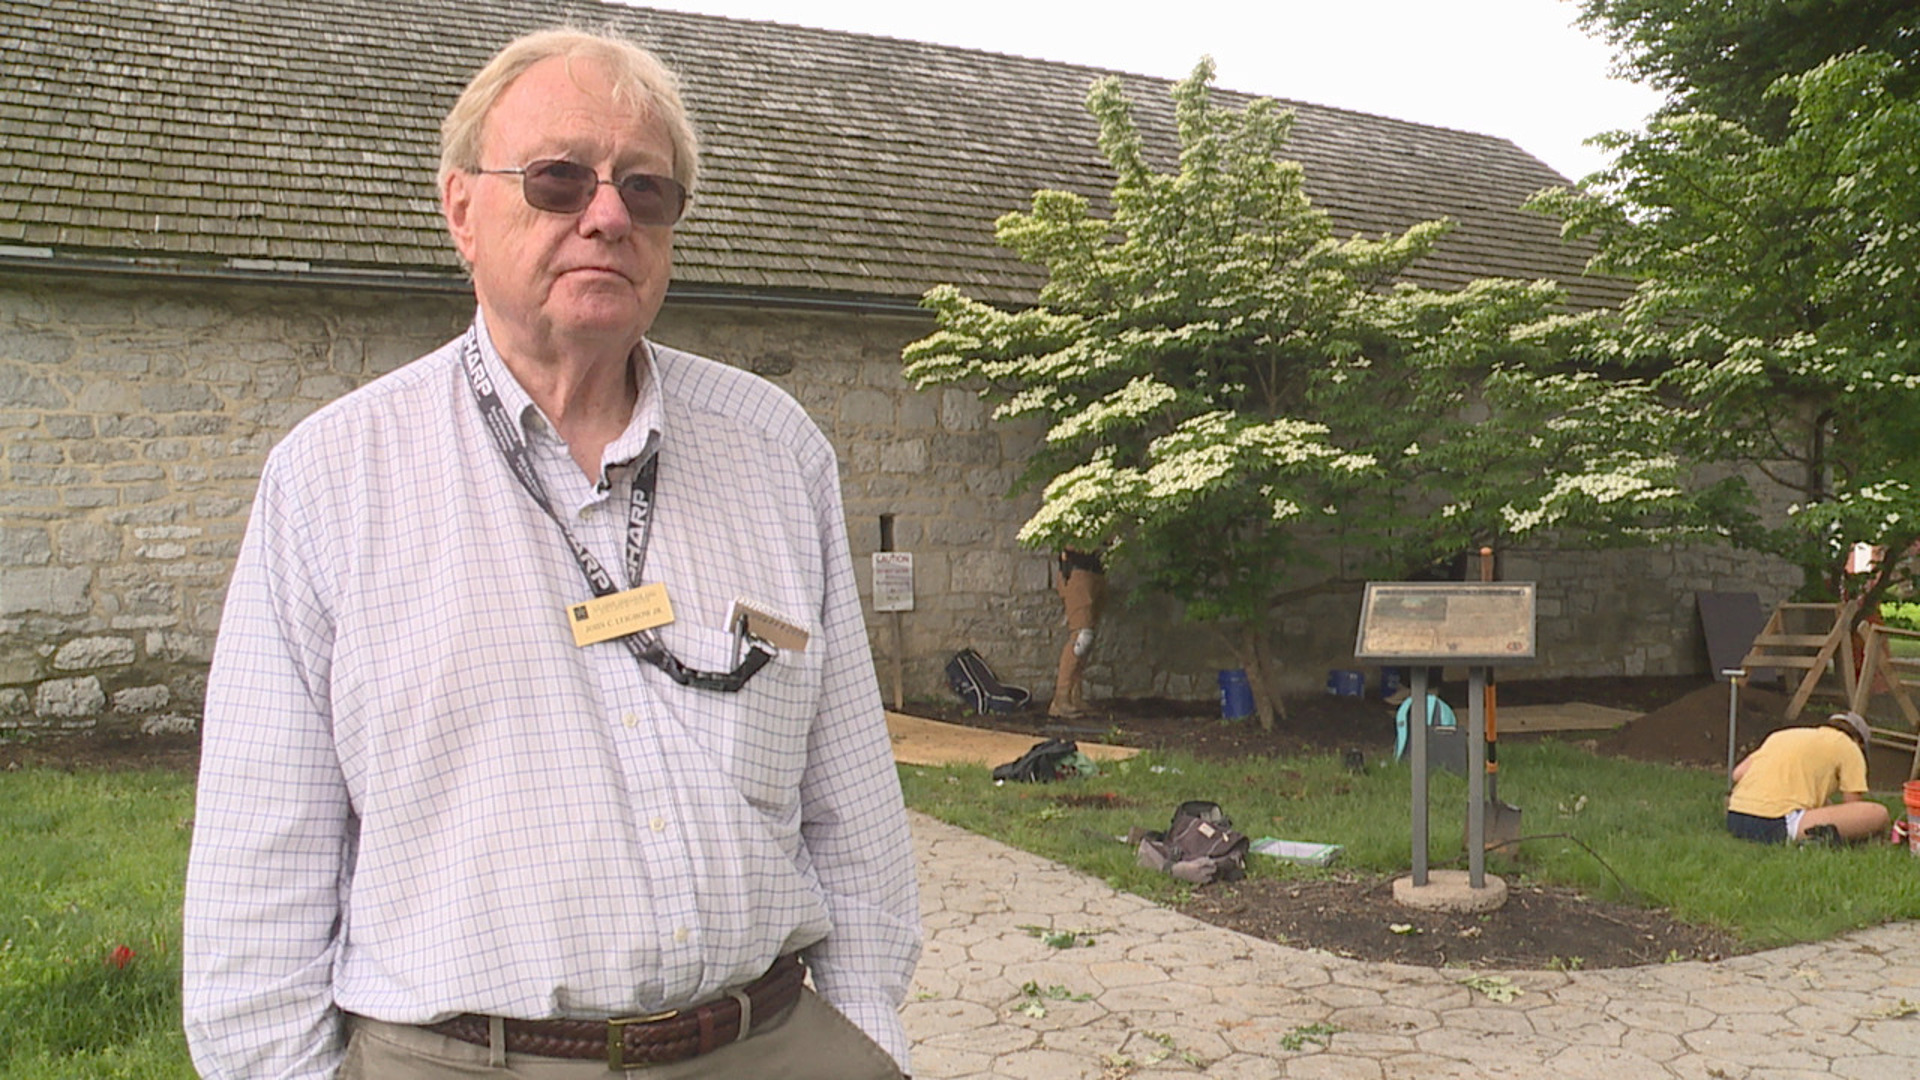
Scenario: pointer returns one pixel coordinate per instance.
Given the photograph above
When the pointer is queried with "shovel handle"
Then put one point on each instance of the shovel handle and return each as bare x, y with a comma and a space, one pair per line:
1493, 750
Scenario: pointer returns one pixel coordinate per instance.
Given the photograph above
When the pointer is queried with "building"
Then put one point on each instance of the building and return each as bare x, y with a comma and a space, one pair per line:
216, 215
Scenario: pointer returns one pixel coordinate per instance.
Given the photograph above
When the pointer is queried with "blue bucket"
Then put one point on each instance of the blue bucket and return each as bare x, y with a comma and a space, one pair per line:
1236, 696
1389, 682
1346, 683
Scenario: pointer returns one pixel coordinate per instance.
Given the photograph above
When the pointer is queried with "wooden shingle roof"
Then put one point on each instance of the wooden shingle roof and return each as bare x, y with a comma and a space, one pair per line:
299, 139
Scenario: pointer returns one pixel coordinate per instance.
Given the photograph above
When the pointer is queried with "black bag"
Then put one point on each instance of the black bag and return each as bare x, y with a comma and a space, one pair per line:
1039, 765
970, 677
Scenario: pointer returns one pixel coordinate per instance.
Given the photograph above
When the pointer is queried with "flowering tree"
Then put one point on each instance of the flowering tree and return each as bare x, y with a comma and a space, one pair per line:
1777, 296
1245, 410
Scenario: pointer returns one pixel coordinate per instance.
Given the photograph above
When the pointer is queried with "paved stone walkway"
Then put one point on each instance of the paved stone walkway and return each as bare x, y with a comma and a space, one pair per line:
1160, 994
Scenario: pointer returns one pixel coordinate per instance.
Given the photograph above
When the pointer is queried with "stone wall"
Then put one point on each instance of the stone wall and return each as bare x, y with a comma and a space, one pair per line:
134, 415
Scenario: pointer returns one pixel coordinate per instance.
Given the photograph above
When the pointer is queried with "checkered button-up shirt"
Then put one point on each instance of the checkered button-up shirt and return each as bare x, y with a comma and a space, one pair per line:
418, 797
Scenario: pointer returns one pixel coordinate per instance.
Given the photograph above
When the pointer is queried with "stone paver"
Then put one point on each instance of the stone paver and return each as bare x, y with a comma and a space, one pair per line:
1160, 995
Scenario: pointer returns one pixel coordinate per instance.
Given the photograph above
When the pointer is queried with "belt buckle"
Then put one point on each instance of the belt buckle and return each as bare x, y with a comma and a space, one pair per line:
616, 1036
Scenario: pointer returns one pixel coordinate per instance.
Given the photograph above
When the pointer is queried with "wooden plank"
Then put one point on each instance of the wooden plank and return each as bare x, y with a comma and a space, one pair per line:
919, 741
1797, 641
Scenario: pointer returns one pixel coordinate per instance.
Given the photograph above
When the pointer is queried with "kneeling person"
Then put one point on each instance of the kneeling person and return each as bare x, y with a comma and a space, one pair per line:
1781, 790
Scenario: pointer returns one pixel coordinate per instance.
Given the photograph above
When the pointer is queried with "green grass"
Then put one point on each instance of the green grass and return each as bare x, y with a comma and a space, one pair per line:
1619, 830
90, 863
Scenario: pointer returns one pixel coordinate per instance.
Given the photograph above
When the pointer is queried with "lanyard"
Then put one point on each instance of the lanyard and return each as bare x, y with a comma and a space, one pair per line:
645, 645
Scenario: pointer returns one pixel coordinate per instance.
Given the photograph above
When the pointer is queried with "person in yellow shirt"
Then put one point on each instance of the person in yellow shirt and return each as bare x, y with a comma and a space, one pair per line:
1781, 790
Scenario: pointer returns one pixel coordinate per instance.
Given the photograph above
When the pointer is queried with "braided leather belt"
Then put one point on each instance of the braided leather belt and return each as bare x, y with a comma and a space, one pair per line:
632, 1041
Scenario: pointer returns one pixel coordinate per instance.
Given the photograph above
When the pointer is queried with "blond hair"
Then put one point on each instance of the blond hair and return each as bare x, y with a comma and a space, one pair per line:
639, 78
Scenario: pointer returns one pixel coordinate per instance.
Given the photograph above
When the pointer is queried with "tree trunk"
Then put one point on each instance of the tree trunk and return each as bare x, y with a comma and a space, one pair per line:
1254, 652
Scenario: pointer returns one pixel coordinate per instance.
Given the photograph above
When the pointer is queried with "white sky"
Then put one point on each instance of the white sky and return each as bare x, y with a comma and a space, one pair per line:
1519, 69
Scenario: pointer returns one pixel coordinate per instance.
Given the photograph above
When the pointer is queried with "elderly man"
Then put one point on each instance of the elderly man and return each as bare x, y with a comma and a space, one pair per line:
542, 737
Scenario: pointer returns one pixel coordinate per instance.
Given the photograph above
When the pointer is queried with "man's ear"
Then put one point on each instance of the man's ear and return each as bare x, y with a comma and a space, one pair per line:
456, 205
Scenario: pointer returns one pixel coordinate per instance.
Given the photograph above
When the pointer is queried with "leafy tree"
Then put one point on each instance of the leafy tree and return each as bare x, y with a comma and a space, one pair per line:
1245, 409
1777, 289
1721, 56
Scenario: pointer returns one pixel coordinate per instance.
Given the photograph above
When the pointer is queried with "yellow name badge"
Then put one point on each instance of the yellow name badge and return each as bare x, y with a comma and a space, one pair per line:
607, 617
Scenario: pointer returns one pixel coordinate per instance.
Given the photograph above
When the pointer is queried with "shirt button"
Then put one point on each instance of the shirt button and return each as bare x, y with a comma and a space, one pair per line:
680, 934
586, 512
631, 719
658, 824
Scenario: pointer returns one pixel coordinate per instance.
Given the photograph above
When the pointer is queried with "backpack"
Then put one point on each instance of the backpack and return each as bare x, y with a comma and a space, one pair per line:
969, 676
1200, 846
1042, 763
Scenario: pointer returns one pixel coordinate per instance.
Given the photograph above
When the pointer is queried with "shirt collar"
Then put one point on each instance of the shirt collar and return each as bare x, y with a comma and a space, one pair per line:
642, 428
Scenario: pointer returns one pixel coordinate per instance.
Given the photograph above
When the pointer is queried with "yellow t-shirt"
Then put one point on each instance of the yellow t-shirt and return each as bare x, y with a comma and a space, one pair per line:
1799, 769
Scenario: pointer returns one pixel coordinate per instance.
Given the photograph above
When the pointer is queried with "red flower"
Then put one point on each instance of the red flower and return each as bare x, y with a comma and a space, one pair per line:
120, 957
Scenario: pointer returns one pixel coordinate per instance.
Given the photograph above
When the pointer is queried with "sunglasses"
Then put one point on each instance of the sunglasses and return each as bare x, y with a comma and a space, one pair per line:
565, 187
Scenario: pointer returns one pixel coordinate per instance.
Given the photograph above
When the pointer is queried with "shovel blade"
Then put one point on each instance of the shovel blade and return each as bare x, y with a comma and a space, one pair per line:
1502, 825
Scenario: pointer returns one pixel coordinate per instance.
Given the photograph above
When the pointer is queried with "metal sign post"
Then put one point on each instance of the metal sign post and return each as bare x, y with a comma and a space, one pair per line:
893, 592
1420, 624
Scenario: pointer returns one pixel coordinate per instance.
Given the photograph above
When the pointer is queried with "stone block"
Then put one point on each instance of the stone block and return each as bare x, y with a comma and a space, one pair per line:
90, 498
175, 647
218, 506
85, 542
81, 654
50, 590
198, 425
25, 547
961, 532
178, 397
918, 412
905, 456
70, 427
130, 427
142, 699
324, 387
27, 453
988, 572
127, 474
14, 702
168, 450
867, 408
100, 450
1034, 574
24, 389
24, 496
34, 346
55, 476
69, 697
108, 396
968, 450
169, 725
962, 410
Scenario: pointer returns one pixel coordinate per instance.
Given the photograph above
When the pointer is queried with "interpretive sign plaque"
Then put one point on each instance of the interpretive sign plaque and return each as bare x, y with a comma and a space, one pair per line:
1457, 623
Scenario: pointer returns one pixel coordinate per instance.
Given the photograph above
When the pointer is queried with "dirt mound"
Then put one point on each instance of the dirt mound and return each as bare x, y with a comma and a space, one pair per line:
1693, 729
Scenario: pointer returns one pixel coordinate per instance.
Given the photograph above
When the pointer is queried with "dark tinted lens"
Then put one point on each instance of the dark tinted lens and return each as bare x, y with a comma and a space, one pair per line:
560, 186
652, 200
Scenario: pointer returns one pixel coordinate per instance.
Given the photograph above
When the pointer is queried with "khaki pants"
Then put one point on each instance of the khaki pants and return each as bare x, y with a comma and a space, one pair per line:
1084, 594
811, 1042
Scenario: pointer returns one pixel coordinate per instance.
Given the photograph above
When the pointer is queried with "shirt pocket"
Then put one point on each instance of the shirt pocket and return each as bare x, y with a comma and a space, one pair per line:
759, 733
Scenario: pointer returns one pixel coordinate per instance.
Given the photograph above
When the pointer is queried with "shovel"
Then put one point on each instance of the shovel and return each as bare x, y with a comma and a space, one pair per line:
1502, 819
